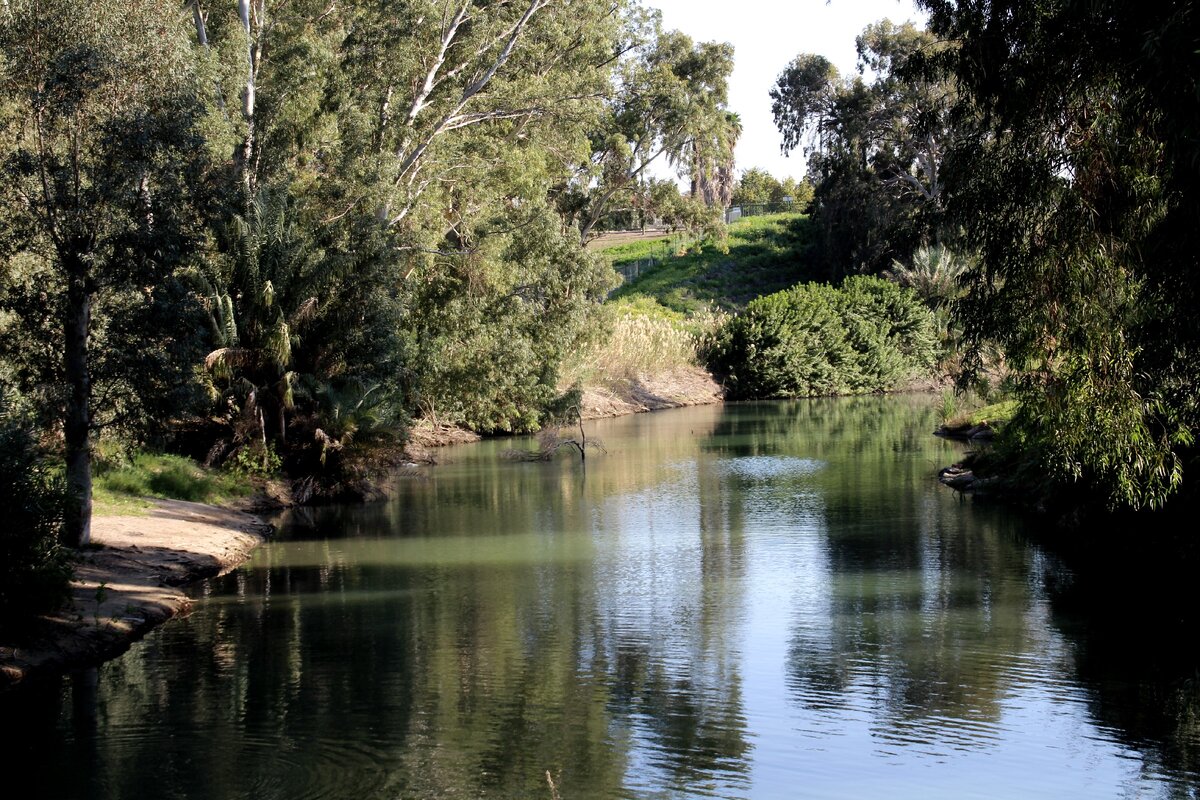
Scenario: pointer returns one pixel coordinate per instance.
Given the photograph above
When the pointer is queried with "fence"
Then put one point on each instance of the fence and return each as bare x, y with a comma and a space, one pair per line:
734, 213
659, 252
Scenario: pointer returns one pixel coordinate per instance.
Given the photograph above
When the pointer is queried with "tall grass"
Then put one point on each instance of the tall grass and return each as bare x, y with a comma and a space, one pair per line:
639, 338
123, 486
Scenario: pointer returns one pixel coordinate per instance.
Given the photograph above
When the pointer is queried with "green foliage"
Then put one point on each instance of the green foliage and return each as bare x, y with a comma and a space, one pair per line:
359, 213
759, 187
666, 103
892, 333
101, 154
967, 410
765, 254
256, 460
493, 324
1076, 184
815, 340
874, 148
168, 477
34, 567
935, 273
755, 186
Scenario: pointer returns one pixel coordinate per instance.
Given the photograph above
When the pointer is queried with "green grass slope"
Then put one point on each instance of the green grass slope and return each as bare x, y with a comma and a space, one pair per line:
766, 254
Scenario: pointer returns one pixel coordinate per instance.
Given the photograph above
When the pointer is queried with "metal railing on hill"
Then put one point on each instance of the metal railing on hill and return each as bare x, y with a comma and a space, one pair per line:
734, 213
666, 249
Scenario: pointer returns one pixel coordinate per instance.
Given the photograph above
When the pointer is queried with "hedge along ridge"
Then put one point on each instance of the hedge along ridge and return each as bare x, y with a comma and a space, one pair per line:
868, 335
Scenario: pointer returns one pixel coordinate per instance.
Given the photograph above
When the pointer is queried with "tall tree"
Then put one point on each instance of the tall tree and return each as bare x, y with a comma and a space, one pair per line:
1077, 184
667, 103
98, 142
382, 145
874, 148
713, 161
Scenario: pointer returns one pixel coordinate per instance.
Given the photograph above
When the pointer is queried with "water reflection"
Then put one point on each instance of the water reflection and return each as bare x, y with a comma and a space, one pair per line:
766, 600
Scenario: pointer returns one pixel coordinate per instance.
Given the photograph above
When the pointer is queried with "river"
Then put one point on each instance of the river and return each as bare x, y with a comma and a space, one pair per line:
769, 600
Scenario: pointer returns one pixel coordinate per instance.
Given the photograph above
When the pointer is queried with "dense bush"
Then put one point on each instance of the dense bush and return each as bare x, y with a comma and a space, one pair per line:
869, 335
34, 567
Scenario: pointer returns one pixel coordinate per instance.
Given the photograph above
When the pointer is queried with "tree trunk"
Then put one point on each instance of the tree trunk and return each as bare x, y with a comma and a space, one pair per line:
77, 528
244, 157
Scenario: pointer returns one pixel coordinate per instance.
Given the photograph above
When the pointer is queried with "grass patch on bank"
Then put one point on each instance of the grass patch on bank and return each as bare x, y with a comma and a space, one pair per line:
648, 247
993, 414
127, 487
641, 337
766, 254
958, 412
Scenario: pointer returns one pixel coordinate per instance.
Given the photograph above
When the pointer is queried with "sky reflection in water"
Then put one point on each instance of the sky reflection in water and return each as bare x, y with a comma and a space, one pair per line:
768, 600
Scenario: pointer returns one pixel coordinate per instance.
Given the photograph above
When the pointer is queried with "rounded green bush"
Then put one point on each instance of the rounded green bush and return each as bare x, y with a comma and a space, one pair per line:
812, 340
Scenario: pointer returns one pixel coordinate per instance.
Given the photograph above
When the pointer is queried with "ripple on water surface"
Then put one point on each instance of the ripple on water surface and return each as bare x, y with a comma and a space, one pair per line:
761, 601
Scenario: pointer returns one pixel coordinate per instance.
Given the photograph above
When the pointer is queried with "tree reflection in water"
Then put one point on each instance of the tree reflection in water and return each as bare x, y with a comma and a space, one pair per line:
737, 602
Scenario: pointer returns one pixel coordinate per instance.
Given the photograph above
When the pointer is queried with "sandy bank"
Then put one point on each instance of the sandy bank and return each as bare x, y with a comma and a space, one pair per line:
690, 386
130, 582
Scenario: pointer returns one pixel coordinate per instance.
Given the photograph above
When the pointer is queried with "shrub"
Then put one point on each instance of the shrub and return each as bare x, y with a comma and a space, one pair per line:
34, 567
893, 335
171, 477
935, 274
812, 340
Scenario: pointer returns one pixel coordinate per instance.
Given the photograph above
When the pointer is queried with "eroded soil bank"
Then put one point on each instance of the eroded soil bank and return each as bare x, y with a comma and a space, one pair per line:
129, 581
689, 386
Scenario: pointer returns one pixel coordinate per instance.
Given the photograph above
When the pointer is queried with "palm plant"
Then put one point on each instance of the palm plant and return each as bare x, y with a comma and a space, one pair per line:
934, 274
265, 295
352, 412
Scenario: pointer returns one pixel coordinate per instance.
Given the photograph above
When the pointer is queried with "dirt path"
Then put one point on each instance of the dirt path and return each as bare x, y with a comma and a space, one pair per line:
130, 583
606, 240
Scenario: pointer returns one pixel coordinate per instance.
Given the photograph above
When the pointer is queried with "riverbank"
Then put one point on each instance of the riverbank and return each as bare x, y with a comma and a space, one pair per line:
678, 388
129, 581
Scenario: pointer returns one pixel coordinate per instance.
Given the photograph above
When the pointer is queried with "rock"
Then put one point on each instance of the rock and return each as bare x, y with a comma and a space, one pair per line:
962, 481
981, 432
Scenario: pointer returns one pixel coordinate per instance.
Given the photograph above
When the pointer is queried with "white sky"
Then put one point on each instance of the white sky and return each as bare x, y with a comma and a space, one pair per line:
766, 35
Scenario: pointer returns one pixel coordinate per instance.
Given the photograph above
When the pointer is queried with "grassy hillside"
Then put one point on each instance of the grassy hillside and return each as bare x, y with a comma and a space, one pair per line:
766, 254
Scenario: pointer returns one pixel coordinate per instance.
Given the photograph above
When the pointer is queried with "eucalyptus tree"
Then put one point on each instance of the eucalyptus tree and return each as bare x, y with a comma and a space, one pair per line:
1077, 183
875, 148
399, 141
666, 103
713, 161
99, 146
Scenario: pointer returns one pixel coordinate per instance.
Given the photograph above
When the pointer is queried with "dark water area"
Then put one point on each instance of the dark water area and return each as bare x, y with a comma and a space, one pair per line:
748, 601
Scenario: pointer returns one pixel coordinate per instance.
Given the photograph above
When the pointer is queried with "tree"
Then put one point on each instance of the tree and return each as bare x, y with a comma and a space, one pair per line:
495, 323
759, 187
754, 187
667, 102
713, 162
874, 149
99, 145
388, 151
1075, 181
34, 567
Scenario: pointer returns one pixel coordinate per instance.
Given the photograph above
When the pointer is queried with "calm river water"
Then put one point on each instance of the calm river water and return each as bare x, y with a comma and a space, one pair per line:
751, 601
